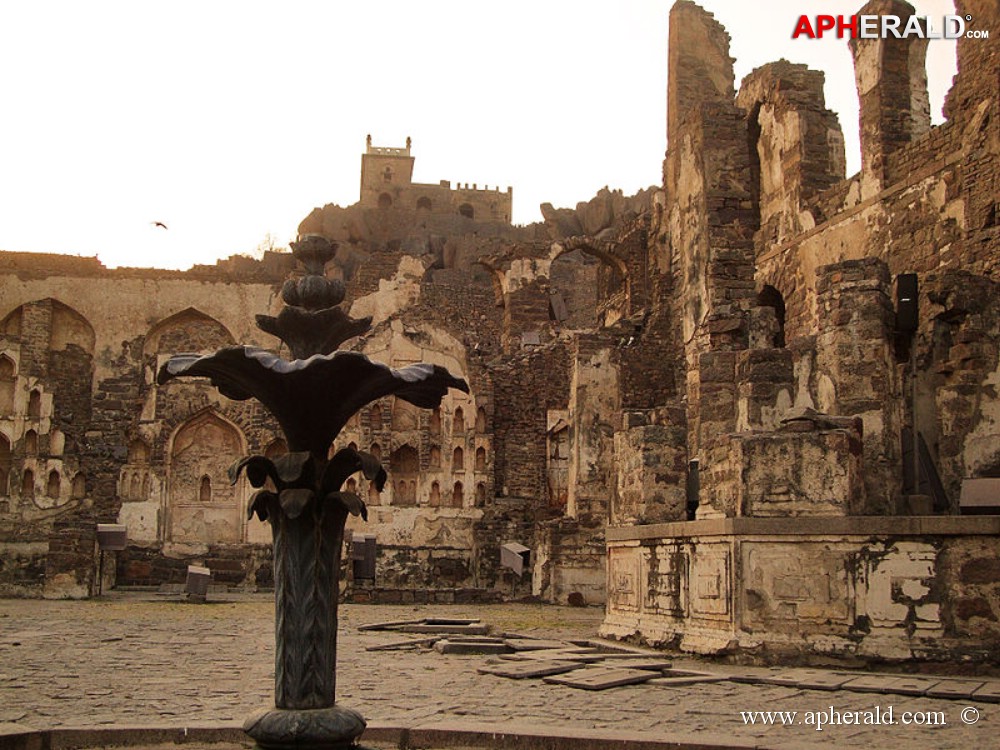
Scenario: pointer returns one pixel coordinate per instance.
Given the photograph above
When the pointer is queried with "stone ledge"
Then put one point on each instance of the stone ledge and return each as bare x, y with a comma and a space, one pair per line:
860, 526
458, 735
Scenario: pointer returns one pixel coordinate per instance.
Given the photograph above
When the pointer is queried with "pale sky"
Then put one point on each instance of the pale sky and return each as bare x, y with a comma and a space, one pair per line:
230, 120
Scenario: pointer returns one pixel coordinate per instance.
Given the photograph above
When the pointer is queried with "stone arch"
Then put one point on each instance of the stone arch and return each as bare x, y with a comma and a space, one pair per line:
376, 450
589, 248
458, 422
467, 211
70, 328
351, 485
8, 379
189, 330
435, 498
424, 203
435, 422
373, 494
31, 443
434, 457
78, 489
457, 495
458, 459
480, 459
10, 326
385, 201
204, 447
480, 494
54, 485
375, 418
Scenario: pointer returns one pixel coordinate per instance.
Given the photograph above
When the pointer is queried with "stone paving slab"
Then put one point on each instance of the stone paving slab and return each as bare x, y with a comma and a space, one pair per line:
536, 644
600, 678
955, 689
520, 670
638, 662
990, 693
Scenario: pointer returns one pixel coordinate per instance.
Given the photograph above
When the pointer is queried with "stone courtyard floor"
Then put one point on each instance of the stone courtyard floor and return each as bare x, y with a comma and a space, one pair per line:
139, 660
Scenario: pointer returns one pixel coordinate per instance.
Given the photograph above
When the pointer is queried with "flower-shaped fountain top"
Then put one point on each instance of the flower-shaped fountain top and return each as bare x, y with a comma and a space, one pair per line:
312, 396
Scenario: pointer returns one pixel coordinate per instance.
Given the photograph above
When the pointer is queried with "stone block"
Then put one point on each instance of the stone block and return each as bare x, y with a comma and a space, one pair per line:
601, 678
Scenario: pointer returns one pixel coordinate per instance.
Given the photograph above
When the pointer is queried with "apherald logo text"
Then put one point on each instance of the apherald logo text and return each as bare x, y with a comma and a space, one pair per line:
880, 27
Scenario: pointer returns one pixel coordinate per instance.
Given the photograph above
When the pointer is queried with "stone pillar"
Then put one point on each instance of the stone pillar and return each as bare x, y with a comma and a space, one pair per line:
894, 108
699, 68
593, 406
855, 368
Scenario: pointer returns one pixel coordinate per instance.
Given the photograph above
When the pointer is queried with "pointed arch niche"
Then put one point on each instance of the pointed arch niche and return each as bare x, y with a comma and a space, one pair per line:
202, 506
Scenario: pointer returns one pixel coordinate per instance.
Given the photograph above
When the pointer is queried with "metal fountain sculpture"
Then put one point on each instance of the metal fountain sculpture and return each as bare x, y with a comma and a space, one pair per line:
312, 396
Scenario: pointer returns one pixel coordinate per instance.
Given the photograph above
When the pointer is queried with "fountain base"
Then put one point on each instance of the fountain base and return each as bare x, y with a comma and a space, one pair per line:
330, 728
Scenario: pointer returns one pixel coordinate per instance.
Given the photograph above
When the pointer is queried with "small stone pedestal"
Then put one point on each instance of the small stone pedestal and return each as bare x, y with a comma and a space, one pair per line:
330, 728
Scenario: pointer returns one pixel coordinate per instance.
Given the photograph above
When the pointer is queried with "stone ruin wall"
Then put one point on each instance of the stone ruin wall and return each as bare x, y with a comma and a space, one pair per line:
760, 281
783, 292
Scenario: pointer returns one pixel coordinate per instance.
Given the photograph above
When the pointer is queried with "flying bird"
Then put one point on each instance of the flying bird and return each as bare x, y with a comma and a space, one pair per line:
159, 224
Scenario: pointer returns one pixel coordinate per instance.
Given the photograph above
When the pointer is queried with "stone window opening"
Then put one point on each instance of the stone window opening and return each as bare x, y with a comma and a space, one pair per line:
467, 211
35, 404
435, 499
8, 377
385, 201
480, 459
434, 458
28, 484
205, 489
375, 418
31, 443
54, 485
352, 485
458, 423
457, 496
458, 460
376, 451
771, 297
435, 423
387, 174
424, 203
480, 495
373, 494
